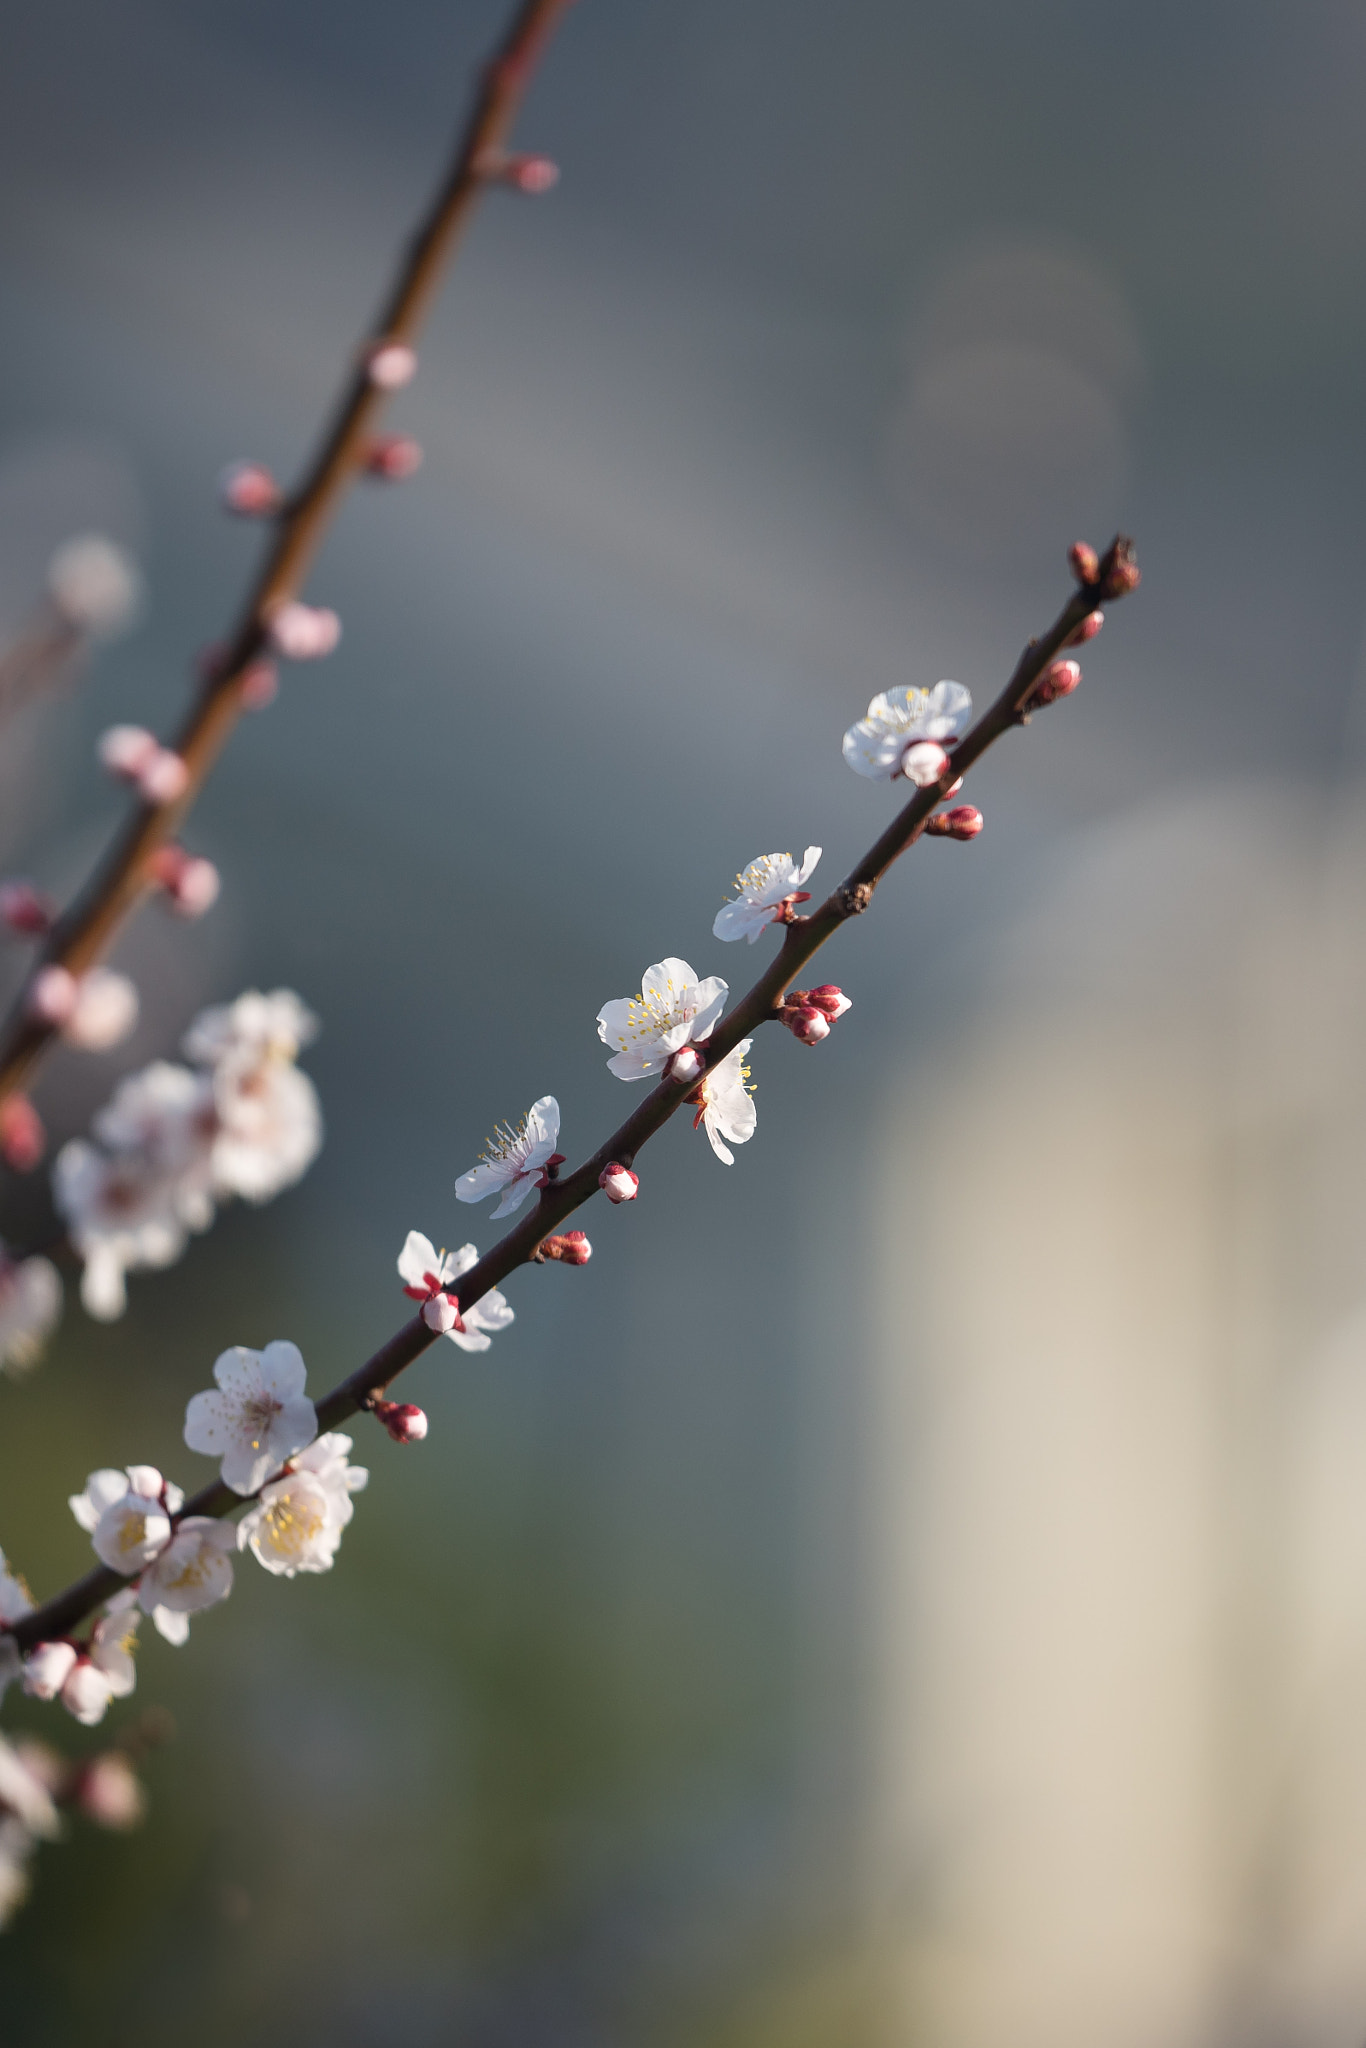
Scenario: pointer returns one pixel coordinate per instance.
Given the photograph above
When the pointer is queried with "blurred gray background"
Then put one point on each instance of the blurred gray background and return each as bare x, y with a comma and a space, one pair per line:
910, 1587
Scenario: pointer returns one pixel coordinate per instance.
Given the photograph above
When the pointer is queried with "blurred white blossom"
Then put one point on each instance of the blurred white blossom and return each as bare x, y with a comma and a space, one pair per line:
30, 1303
94, 585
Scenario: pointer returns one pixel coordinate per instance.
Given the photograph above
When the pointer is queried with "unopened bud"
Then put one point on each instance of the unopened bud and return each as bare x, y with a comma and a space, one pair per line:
52, 995
124, 749
249, 489
105, 1011
440, 1313
530, 174
923, 762
1085, 562
963, 822
259, 685
405, 1422
395, 457
110, 1793
304, 632
392, 365
47, 1668
572, 1247
1087, 630
618, 1183
806, 1023
26, 910
685, 1065
832, 1002
191, 882
1118, 573
1059, 679
163, 777
22, 1137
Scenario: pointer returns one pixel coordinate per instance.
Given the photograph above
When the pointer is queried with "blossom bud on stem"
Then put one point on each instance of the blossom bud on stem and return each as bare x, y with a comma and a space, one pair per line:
1085, 562
530, 174
923, 762
26, 910
191, 882
52, 995
304, 632
806, 1023
391, 364
394, 457
405, 1422
685, 1065
259, 685
572, 1247
440, 1313
618, 1183
22, 1137
249, 490
1087, 630
963, 822
1118, 573
1059, 679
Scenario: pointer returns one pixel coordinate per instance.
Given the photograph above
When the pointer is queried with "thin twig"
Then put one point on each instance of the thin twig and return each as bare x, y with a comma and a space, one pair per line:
88, 927
803, 938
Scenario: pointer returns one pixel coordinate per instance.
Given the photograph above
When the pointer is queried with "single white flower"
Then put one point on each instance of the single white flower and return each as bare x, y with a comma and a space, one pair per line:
255, 1027
128, 1515
270, 1127
23, 1794
769, 887
673, 1009
725, 1104
30, 1303
258, 1416
193, 1571
105, 1670
877, 744
515, 1159
427, 1273
296, 1525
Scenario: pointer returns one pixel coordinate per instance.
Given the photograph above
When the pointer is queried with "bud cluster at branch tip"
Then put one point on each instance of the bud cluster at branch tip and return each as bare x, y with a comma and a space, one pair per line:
249, 490
618, 1183
964, 821
1112, 575
571, 1246
404, 1421
132, 754
808, 1013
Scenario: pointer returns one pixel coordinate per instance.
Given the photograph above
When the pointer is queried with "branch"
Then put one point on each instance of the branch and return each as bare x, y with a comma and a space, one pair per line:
1113, 578
88, 928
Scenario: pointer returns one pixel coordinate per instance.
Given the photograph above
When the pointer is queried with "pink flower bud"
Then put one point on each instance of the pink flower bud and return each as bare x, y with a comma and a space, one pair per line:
249, 489
25, 909
1085, 562
1087, 630
531, 174
572, 1247
1118, 573
923, 762
47, 1668
22, 1137
440, 1314
259, 685
191, 882
1059, 679
110, 1793
963, 822
832, 1002
618, 1183
87, 1693
163, 777
124, 749
685, 1065
105, 1011
405, 1423
805, 1022
52, 995
395, 457
392, 365
304, 632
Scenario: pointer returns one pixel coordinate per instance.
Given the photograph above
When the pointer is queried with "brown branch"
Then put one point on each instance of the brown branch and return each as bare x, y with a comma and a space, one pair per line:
88, 927
803, 938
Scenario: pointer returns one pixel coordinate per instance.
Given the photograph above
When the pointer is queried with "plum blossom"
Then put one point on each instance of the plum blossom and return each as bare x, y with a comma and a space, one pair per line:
104, 1670
673, 1009
876, 746
192, 1572
427, 1273
296, 1525
30, 1303
725, 1104
769, 888
47, 1668
517, 1158
257, 1416
127, 1514
618, 1182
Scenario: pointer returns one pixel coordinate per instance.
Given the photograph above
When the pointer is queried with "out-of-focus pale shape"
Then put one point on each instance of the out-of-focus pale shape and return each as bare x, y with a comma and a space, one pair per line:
726, 1108
254, 1028
898, 721
516, 1159
304, 632
47, 1668
23, 1793
672, 1010
110, 1793
105, 1010
249, 490
30, 1304
51, 996
16, 1850
392, 365
26, 910
191, 883
257, 1416
95, 585
769, 888
297, 1524
22, 1137
394, 458
15, 1603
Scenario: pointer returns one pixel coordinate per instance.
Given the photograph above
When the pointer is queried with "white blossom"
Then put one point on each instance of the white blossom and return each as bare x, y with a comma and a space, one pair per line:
47, 1668
104, 1012
257, 1417
672, 1009
877, 744
427, 1272
296, 1525
128, 1515
30, 1303
192, 1572
725, 1103
105, 1670
765, 886
269, 1127
254, 1027
515, 1159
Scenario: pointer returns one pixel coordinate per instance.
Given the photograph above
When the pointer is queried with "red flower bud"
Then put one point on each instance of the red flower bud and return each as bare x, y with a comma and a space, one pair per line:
249, 490
1059, 679
1118, 573
963, 822
1087, 630
573, 1248
832, 1002
618, 1183
26, 910
1085, 562
394, 457
22, 1137
405, 1423
805, 1022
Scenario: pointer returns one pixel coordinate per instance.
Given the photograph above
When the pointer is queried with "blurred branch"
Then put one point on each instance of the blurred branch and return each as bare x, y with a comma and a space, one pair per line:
1115, 576
88, 928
